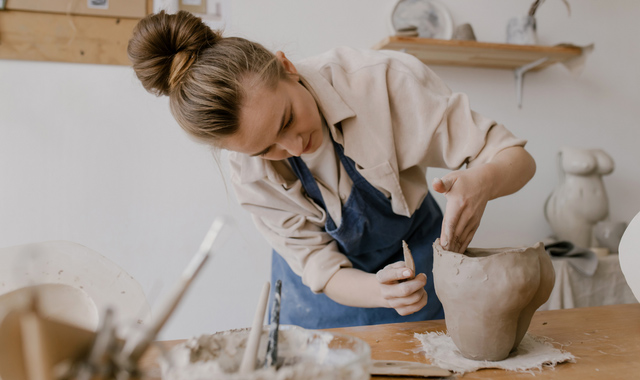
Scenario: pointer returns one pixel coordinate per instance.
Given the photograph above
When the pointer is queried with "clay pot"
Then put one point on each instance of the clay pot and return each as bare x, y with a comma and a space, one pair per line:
490, 295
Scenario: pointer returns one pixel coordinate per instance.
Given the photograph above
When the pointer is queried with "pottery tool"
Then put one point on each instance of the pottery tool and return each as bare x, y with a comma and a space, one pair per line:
404, 368
134, 348
248, 363
272, 345
408, 258
98, 359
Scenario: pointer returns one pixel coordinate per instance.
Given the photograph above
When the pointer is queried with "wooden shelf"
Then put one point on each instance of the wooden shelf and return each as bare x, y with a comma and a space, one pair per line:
478, 54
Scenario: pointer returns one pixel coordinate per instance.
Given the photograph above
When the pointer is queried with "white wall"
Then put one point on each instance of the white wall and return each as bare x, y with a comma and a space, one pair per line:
87, 155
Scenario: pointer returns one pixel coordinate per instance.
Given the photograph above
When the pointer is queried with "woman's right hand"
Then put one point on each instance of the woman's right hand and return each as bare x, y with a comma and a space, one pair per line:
401, 290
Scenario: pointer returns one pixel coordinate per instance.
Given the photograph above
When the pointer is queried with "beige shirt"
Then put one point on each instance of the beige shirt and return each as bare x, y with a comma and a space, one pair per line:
394, 117
333, 181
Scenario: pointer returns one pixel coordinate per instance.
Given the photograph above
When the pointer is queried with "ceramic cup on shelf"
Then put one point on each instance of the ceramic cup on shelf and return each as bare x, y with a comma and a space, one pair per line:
464, 32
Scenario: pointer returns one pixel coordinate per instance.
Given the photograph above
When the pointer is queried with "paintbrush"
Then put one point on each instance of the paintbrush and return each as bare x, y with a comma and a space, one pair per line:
272, 345
408, 259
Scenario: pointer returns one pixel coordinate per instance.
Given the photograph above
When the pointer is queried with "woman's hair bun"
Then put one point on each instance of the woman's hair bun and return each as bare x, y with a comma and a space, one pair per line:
164, 46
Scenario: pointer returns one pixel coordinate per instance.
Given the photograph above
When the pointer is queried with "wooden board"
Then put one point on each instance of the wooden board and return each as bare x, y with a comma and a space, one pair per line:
477, 54
64, 38
405, 368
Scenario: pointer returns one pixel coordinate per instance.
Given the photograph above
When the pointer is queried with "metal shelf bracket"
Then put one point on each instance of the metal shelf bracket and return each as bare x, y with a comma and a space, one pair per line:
519, 73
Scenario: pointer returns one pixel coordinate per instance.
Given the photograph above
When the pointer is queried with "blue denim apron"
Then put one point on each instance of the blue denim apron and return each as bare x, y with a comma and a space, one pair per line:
370, 235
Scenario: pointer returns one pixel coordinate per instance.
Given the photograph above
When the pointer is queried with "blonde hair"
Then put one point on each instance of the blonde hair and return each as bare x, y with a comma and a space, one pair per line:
202, 72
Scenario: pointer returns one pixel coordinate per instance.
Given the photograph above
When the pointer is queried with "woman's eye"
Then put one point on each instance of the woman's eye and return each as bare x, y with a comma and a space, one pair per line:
289, 122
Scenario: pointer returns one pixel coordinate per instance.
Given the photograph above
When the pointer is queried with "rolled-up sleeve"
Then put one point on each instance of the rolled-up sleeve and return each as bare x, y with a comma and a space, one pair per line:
293, 225
435, 127
466, 137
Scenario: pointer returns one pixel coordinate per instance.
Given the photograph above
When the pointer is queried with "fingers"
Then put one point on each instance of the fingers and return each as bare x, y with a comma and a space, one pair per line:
460, 223
410, 309
403, 289
393, 273
449, 239
442, 185
406, 297
467, 236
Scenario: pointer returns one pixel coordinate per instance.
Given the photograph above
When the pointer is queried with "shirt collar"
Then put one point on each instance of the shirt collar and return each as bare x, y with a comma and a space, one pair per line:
332, 107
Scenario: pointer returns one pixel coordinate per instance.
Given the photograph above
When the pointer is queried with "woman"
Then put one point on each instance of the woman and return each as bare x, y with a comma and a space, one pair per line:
329, 155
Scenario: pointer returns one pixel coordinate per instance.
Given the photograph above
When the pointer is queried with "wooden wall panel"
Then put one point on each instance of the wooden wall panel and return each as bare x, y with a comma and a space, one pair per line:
40, 36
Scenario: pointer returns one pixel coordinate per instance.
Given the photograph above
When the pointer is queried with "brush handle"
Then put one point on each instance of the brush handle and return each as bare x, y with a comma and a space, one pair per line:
248, 363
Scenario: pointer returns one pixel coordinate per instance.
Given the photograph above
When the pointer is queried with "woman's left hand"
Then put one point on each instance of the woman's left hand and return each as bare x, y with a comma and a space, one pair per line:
467, 195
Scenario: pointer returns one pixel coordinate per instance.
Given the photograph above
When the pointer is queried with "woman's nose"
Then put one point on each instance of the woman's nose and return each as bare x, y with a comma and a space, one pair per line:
293, 143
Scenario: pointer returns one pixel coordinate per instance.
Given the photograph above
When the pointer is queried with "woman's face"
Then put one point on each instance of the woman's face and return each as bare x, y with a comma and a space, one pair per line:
277, 123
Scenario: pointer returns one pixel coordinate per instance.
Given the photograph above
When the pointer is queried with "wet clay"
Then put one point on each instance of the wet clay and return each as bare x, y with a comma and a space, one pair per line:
302, 354
490, 295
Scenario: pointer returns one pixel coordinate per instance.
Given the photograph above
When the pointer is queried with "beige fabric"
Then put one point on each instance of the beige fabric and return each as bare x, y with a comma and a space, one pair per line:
394, 117
533, 355
607, 286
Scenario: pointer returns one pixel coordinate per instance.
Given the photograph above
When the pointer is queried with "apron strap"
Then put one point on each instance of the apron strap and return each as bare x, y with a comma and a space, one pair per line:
308, 182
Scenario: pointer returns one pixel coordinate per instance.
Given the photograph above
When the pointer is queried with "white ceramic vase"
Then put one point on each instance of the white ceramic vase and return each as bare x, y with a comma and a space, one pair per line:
490, 295
580, 200
522, 31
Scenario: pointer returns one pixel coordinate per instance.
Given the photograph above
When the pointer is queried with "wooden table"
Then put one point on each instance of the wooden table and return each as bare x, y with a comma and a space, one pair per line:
605, 341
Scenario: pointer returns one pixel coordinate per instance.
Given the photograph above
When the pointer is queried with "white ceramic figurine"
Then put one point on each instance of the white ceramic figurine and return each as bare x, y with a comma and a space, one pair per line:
580, 200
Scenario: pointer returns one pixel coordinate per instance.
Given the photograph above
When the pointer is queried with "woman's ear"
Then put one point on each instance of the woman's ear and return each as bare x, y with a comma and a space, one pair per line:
288, 65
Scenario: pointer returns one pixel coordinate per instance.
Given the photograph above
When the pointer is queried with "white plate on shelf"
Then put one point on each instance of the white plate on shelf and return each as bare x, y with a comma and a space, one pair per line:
432, 19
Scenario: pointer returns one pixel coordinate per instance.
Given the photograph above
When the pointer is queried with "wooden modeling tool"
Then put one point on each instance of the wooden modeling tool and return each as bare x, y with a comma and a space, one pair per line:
272, 345
403, 368
97, 360
248, 363
36, 357
408, 258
